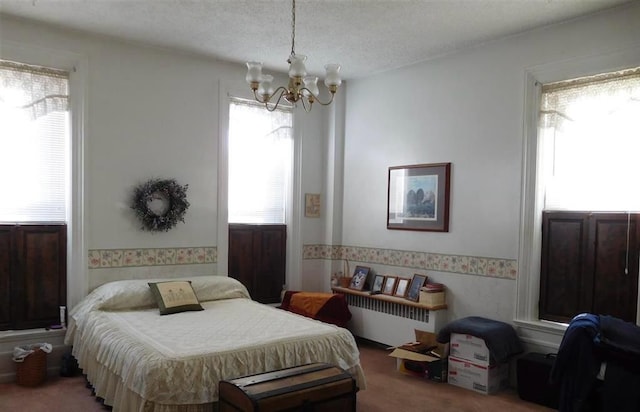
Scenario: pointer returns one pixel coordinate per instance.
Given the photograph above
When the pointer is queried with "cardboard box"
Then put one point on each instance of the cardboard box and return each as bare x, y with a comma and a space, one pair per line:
432, 369
425, 357
470, 348
480, 378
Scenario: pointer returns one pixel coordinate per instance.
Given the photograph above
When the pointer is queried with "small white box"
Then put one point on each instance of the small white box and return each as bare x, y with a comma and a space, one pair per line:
470, 348
480, 378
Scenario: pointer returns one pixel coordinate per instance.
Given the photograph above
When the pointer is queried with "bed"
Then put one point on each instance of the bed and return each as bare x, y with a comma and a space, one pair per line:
139, 360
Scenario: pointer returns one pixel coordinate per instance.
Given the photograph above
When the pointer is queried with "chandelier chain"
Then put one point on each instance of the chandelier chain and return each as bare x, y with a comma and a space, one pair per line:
293, 27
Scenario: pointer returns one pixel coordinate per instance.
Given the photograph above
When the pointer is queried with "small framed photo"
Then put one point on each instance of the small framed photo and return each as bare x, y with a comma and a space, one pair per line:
414, 288
401, 287
311, 205
378, 283
389, 285
359, 277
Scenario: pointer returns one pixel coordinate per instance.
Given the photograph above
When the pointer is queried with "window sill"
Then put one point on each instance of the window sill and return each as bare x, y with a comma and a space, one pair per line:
554, 328
19, 336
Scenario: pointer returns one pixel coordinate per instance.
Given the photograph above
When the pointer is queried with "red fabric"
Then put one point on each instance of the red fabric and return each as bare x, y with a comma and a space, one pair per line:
335, 309
310, 302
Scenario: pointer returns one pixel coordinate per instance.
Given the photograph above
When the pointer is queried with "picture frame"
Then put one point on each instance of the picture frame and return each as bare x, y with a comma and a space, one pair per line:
418, 197
312, 205
359, 278
401, 287
378, 283
417, 282
389, 285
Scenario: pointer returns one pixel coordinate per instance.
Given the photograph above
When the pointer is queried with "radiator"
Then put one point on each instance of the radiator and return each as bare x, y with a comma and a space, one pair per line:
391, 323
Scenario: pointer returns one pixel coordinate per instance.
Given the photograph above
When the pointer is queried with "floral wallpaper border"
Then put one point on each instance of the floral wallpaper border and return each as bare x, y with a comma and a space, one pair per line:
117, 258
470, 265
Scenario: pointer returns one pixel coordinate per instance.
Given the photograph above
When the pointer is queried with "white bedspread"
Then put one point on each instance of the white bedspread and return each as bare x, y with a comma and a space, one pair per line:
179, 359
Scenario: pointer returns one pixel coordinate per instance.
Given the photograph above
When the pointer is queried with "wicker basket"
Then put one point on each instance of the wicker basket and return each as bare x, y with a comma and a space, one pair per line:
32, 371
432, 298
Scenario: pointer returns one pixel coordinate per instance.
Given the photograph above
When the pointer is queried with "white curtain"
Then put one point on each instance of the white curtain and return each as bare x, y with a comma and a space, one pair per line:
590, 141
37, 90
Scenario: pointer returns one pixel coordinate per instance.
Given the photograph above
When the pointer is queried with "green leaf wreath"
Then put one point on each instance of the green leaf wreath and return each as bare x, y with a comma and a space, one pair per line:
174, 193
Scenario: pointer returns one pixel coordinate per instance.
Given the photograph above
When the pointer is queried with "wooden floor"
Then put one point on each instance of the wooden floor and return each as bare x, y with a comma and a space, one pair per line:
387, 391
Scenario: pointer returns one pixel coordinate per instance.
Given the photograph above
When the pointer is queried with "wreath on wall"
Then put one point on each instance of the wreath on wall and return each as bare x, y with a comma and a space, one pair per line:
160, 204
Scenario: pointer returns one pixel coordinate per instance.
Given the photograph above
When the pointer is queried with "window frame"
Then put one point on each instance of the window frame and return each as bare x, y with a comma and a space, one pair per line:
77, 65
293, 220
531, 203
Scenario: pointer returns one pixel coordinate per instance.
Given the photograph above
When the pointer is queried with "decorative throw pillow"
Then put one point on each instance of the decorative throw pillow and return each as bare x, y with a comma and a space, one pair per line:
175, 296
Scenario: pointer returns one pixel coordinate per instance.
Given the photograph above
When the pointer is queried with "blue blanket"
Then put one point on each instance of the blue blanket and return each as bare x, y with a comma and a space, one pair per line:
589, 340
501, 339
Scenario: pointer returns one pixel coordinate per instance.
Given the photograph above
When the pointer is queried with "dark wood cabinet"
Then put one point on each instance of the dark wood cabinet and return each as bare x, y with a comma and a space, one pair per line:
33, 275
257, 258
589, 264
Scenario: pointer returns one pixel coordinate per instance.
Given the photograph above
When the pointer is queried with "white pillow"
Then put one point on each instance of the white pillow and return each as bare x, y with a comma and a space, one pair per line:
218, 288
135, 293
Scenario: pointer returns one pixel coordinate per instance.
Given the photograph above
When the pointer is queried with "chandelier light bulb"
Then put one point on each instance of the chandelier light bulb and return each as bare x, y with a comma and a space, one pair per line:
254, 72
333, 75
265, 87
311, 83
297, 68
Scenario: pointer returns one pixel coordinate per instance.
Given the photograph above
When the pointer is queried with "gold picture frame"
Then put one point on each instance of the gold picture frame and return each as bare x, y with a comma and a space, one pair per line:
312, 205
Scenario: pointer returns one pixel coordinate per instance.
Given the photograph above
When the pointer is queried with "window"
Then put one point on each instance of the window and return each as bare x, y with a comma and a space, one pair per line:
34, 132
587, 166
260, 170
34, 175
260, 163
590, 143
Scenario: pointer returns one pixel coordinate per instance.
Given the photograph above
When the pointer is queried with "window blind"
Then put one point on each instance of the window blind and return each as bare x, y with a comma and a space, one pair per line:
260, 163
34, 140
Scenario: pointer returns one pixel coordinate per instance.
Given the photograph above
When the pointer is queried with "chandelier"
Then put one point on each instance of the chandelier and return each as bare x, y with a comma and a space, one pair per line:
301, 87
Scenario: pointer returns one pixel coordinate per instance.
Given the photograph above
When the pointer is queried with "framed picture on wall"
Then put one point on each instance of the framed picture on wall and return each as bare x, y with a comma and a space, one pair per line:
418, 197
359, 277
389, 284
414, 288
401, 287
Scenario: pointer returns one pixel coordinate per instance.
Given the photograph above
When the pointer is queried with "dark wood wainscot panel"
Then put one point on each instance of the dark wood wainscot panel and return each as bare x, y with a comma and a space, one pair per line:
584, 257
33, 268
257, 258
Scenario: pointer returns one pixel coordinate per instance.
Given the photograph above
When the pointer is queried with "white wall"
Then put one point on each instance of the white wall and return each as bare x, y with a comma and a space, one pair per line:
151, 113
154, 113
465, 108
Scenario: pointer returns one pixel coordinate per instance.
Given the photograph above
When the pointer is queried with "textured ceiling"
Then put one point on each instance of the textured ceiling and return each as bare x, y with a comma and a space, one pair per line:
364, 36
